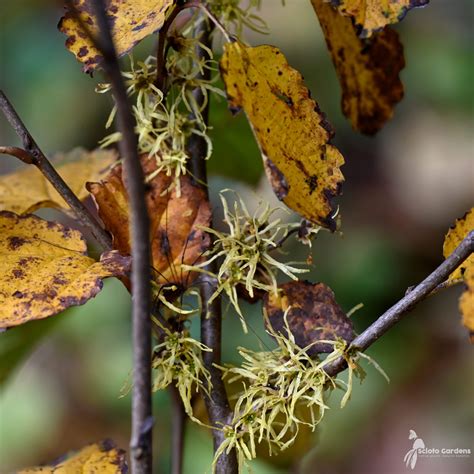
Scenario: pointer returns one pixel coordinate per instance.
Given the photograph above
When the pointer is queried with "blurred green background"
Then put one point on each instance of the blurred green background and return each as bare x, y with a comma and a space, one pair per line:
61, 378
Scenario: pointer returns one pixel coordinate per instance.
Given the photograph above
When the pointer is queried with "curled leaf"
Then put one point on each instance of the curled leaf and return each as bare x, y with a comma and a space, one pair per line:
368, 69
454, 237
130, 22
312, 315
46, 269
293, 134
103, 457
24, 191
373, 15
175, 221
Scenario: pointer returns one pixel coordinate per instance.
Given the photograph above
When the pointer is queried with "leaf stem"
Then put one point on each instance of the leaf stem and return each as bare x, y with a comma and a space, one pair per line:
394, 314
142, 421
217, 403
32, 152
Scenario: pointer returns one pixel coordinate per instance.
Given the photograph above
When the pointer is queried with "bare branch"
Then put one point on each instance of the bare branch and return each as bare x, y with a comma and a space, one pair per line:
217, 403
379, 327
142, 422
33, 152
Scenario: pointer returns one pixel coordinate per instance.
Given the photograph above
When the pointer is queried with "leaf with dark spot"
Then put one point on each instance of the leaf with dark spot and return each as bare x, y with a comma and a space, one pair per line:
373, 15
130, 21
313, 315
175, 220
292, 132
50, 271
103, 457
368, 69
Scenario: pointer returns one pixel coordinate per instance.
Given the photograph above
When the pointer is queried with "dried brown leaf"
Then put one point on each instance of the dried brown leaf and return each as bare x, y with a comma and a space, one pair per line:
175, 221
314, 315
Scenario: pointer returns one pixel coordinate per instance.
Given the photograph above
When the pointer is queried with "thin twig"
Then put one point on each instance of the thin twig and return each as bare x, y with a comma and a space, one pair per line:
19, 153
217, 403
44, 165
161, 72
142, 421
178, 426
379, 327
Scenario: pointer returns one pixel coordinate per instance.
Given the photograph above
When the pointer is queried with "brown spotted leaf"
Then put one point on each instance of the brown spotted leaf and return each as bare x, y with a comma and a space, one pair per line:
24, 191
103, 457
373, 15
454, 237
368, 69
293, 135
45, 269
175, 221
130, 21
313, 315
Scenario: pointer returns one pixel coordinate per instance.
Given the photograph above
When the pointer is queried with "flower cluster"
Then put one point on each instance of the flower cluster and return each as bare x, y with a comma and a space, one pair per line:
234, 16
283, 389
178, 360
245, 251
166, 119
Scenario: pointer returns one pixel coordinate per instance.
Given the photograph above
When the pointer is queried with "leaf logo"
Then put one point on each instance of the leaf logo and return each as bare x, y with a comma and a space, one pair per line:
412, 455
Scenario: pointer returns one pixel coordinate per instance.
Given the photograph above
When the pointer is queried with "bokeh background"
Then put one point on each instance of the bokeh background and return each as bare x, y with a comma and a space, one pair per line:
61, 378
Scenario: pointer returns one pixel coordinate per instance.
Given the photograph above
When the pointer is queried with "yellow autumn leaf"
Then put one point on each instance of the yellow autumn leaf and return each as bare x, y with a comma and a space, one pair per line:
24, 191
373, 15
293, 134
368, 70
130, 20
101, 457
466, 303
45, 269
454, 237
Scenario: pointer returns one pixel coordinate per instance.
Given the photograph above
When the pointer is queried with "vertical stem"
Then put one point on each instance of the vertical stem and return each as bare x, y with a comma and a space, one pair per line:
142, 422
178, 425
217, 403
